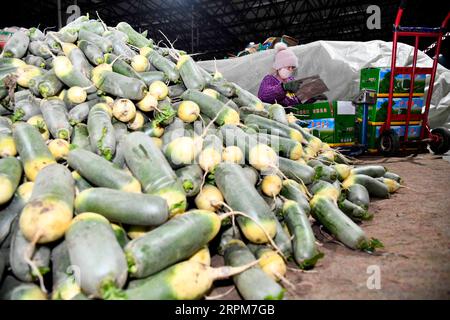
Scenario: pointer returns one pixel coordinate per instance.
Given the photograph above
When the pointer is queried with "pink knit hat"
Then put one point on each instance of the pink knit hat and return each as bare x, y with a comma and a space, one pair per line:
284, 57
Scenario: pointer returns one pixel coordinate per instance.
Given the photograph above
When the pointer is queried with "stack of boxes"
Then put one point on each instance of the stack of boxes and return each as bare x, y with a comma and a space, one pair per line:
332, 121
378, 79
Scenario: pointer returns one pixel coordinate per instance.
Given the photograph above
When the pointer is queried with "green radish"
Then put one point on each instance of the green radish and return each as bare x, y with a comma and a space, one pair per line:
190, 73
277, 113
228, 102
140, 63
211, 155
80, 137
359, 195
191, 179
53, 44
19, 265
80, 112
151, 76
101, 172
69, 37
35, 61
101, 131
93, 248
93, 26
209, 198
230, 179
153, 129
251, 174
77, 58
47, 215
269, 261
76, 95
134, 38
69, 75
233, 154
342, 171
326, 211
203, 256
332, 190
80, 183
119, 85
119, 40
75, 25
9, 212
305, 250
223, 87
17, 45
174, 241
373, 171
271, 185
212, 107
325, 173
131, 208
7, 145
39, 48
122, 67
49, 84
159, 90
376, 188
56, 118
392, 176
175, 90
26, 74
104, 44
162, 64
124, 110
187, 280
292, 191
35, 34
25, 109
188, 111
121, 235
32, 150
254, 283
27, 291
59, 149
296, 171
392, 185
273, 127
283, 240
148, 164
65, 286
355, 212
286, 147
10, 175
259, 155
245, 98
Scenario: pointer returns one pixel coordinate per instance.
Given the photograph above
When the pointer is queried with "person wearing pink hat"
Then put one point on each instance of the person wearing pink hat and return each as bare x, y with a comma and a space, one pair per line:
280, 87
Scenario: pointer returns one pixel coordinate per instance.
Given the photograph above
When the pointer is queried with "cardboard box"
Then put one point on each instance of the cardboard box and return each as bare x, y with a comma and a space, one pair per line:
332, 121
378, 79
378, 111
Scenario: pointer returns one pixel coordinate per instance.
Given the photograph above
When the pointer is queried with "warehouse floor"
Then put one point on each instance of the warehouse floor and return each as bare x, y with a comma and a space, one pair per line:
414, 226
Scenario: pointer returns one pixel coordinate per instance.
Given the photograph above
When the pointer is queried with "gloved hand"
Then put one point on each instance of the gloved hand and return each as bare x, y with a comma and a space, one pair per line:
292, 86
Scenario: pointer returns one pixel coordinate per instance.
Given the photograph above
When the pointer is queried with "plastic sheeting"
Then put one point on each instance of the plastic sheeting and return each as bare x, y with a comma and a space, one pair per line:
339, 63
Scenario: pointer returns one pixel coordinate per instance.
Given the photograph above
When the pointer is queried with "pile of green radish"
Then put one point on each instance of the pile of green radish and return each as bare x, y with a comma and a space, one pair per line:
124, 166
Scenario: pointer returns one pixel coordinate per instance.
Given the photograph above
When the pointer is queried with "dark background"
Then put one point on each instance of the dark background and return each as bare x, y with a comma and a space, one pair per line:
218, 28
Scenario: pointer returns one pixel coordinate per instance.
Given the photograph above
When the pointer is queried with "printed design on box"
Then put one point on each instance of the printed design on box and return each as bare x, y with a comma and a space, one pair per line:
379, 79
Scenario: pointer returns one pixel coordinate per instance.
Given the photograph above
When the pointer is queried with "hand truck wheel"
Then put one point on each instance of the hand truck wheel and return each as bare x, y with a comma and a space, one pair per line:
388, 143
442, 144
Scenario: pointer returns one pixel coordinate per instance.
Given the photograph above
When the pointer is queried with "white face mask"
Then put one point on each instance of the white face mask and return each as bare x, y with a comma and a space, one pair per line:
284, 73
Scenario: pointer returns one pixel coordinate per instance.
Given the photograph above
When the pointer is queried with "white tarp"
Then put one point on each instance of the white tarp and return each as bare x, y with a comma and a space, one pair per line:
339, 63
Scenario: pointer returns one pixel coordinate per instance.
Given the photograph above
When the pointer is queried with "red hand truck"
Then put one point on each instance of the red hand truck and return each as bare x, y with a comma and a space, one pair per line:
439, 138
